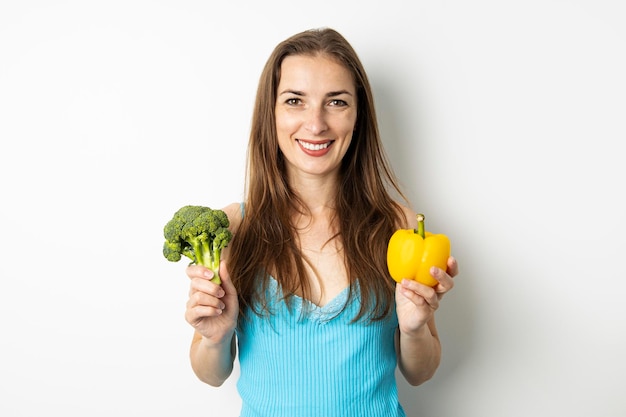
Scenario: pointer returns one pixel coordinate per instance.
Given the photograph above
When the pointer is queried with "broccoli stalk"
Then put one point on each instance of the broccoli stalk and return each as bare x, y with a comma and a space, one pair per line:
200, 234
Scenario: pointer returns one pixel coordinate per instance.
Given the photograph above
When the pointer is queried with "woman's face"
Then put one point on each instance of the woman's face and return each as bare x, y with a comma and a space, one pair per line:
316, 111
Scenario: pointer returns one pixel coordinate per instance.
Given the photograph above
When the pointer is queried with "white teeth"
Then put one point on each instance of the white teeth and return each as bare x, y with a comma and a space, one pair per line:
314, 146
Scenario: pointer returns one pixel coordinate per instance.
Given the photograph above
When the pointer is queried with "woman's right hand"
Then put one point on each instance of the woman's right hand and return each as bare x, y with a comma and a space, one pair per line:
212, 309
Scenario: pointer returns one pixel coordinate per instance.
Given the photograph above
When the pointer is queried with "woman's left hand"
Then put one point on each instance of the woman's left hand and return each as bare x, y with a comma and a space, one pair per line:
416, 303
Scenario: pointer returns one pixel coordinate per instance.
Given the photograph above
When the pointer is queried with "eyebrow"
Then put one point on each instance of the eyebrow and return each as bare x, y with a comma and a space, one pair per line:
329, 94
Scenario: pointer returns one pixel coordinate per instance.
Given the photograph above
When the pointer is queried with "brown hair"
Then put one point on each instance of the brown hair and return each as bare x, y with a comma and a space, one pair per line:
367, 215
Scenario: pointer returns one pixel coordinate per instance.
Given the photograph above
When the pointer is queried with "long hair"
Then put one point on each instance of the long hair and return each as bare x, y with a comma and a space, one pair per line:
366, 213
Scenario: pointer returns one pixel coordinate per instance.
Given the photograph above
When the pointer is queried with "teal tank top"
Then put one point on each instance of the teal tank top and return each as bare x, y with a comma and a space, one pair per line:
311, 361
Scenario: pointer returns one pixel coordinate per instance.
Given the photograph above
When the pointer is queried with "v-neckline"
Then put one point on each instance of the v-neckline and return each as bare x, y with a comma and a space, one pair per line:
323, 313
342, 295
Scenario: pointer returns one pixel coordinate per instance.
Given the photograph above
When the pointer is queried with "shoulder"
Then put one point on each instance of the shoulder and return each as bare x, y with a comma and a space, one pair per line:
235, 215
233, 212
408, 220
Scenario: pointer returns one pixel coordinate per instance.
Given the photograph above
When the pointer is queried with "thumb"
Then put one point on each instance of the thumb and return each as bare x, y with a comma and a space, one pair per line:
227, 284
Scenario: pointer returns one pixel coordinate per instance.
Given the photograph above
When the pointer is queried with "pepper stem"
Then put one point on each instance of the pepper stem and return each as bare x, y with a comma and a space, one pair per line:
420, 225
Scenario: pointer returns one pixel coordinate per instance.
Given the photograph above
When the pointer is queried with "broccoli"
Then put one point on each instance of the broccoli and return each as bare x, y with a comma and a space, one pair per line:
200, 234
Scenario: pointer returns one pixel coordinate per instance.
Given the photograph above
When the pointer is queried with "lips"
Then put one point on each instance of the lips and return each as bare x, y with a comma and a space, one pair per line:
315, 146
316, 149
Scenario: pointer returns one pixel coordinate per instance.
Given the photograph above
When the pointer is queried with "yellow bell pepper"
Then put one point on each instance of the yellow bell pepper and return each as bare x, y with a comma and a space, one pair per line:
412, 252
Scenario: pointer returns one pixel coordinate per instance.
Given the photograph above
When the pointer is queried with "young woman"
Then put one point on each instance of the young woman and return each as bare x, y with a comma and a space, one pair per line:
306, 300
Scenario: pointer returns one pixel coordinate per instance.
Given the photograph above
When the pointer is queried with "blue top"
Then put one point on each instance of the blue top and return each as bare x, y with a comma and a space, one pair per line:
313, 362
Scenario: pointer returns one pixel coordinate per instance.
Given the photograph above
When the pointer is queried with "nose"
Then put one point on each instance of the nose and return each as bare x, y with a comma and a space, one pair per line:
315, 121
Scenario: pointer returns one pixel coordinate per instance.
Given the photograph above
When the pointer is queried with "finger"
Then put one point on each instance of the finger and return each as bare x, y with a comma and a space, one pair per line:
227, 284
205, 286
200, 299
419, 293
199, 271
195, 315
445, 280
453, 266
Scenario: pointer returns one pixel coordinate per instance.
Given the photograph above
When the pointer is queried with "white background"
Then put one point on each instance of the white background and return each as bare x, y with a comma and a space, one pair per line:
505, 121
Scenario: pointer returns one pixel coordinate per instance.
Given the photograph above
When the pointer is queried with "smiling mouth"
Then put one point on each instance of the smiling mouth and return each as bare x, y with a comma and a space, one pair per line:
314, 146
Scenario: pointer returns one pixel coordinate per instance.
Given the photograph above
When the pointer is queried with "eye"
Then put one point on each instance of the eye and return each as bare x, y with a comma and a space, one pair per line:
293, 101
337, 103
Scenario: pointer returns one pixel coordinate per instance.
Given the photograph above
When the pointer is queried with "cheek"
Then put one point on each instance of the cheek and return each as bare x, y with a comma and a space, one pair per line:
285, 123
348, 127
348, 122
284, 130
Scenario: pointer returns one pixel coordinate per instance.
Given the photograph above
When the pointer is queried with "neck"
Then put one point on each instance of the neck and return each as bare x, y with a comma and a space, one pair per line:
318, 194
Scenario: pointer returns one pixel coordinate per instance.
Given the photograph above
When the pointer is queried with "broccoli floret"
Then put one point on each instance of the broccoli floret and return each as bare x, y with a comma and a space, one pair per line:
199, 233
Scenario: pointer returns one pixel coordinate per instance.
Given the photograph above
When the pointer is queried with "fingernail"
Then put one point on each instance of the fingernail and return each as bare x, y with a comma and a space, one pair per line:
434, 271
208, 274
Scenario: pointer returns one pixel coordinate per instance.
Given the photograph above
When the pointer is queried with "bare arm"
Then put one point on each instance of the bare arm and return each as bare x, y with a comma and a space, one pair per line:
212, 363
417, 341
212, 310
419, 355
